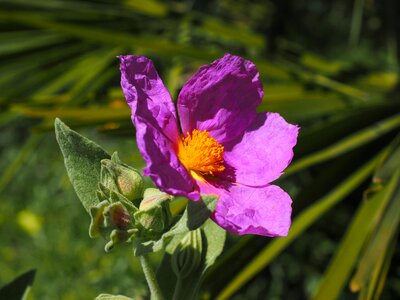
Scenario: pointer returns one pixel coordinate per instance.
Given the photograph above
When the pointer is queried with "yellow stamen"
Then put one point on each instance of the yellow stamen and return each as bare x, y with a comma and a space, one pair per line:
201, 154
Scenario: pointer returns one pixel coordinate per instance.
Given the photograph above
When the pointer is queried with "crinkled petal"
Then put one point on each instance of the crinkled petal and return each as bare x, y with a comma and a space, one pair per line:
147, 96
153, 114
262, 153
221, 97
249, 210
163, 166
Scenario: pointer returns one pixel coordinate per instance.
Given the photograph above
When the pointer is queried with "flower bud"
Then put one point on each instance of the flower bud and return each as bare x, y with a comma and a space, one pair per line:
117, 216
120, 177
153, 197
154, 213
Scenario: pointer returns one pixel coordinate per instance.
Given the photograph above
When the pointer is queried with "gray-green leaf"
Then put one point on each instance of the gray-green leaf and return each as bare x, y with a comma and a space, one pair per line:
198, 212
213, 239
82, 159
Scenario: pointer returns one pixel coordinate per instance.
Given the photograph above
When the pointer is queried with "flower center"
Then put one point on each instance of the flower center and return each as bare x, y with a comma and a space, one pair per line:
201, 154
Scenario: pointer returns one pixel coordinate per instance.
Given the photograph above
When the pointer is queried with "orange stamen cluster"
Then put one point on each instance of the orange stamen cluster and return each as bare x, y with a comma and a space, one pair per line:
201, 153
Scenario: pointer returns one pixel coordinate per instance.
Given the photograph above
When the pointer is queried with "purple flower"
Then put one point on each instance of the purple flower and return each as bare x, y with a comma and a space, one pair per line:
219, 145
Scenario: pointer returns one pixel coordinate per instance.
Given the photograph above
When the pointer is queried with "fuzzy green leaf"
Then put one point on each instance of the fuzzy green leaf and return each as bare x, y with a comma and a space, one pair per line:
199, 211
213, 240
82, 159
215, 237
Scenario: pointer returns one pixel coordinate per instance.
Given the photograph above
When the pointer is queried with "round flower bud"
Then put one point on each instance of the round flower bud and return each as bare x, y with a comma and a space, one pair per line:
117, 216
120, 177
154, 214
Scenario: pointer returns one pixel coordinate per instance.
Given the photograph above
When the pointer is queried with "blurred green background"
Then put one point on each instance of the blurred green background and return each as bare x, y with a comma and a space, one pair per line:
329, 66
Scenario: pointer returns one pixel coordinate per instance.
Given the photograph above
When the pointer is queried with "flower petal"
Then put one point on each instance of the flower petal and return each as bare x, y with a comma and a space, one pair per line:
147, 96
153, 114
262, 153
163, 166
248, 210
221, 97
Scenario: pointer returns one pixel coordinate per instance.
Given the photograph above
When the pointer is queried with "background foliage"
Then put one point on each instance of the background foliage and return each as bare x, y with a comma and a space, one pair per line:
329, 66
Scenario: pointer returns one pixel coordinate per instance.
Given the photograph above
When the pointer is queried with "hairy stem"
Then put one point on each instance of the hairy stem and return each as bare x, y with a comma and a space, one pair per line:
155, 290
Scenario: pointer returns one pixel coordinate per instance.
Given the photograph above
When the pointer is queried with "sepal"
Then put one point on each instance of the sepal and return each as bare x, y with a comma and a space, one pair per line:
96, 226
114, 220
120, 236
105, 194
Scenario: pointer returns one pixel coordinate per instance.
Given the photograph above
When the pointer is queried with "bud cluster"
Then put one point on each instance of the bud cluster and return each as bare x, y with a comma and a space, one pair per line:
116, 216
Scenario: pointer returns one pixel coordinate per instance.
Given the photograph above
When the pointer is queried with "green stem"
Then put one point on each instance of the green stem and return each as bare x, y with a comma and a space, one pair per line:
178, 289
155, 290
180, 293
